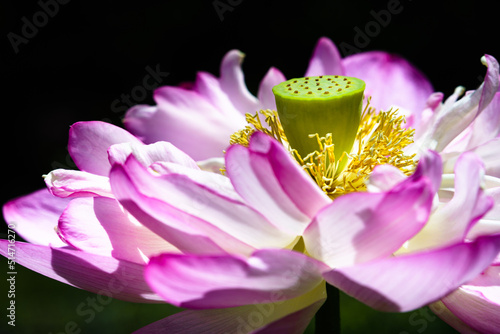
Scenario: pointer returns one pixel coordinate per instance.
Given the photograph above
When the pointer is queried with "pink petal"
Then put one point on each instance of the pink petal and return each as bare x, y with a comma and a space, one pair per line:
355, 227
35, 216
227, 281
384, 177
149, 154
103, 275
487, 124
478, 306
390, 80
208, 86
451, 121
450, 223
180, 203
190, 122
268, 178
242, 319
404, 283
232, 83
445, 314
74, 183
266, 96
100, 226
325, 59
89, 142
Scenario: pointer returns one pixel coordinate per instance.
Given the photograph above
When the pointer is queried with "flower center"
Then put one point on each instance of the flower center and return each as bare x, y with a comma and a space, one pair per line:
379, 138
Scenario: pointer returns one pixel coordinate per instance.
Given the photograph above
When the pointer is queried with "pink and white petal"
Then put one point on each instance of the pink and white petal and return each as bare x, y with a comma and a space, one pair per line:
490, 223
487, 124
267, 177
100, 226
103, 275
74, 183
213, 202
451, 223
354, 228
325, 59
450, 122
139, 120
186, 232
265, 94
149, 154
208, 86
445, 314
232, 82
219, 281
191, 123
213, 165
390, 80
34, 217
243, 319
89, 142
407, 282
384, 177
490, 155
476, 306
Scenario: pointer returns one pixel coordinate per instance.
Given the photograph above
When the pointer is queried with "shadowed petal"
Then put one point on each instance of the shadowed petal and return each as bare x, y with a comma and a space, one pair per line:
404, 283
35, 217
227, 281
103, 275
243, 319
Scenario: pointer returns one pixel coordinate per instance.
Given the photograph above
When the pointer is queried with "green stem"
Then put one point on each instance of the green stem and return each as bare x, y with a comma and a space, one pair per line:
328, 317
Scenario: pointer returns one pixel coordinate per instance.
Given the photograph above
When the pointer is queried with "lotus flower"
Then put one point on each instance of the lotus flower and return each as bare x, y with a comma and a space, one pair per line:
261, 242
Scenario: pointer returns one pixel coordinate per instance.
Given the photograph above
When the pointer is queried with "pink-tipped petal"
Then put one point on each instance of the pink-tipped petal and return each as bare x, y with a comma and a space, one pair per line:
227, 281
89, 142
149, 154
232, 82
34, 217
390, 80
100, 226
268, 178
104, 275
265, 94
404, 283
212, 202
74, 183
355, 227
325, 59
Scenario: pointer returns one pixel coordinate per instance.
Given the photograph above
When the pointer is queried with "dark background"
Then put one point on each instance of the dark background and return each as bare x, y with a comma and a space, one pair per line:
89, 53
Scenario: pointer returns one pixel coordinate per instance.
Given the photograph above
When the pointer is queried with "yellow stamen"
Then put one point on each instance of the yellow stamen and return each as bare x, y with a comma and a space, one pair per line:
380, 140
